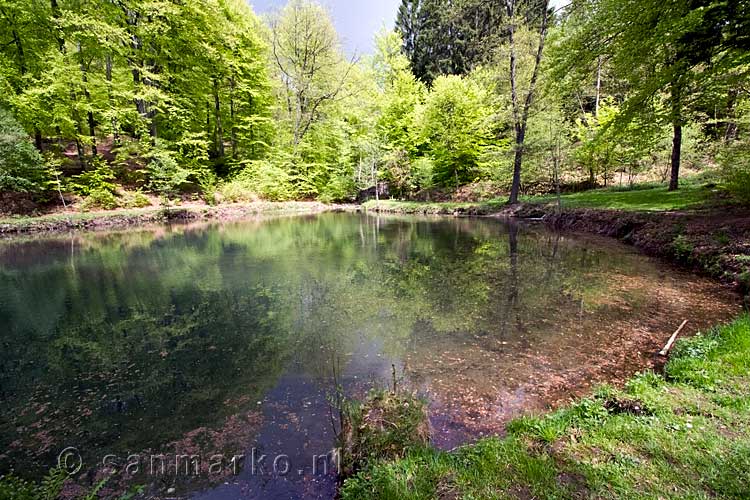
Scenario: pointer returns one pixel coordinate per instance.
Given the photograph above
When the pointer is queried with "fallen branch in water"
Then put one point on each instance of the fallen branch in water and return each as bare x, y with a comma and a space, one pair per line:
667, 347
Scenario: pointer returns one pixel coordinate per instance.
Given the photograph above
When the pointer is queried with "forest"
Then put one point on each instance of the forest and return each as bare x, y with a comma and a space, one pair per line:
128, 103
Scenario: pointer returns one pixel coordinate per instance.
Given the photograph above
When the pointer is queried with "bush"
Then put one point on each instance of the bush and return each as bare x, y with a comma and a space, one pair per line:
135, 200
259, 179
165, 175
96, 180
100, 198
386, 426
735, 162
338, 188
21, 166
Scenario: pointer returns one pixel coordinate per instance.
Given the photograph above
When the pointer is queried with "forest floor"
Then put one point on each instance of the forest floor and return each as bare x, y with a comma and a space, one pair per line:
681, 434
123, 218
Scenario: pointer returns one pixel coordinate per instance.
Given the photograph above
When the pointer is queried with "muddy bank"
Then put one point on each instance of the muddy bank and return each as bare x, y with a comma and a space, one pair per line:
119, 219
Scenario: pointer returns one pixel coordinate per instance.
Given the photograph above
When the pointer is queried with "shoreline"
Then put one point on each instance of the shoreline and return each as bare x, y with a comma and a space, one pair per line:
63, 222
714, 242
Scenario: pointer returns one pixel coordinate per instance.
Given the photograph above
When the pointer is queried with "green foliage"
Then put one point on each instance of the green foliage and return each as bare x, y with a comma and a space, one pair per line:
165, 175
735, 162
21, 166
100, 198
12, 487
135, 200
454, 125
682, 247
100, 179
259, 179
386, 426
430, 28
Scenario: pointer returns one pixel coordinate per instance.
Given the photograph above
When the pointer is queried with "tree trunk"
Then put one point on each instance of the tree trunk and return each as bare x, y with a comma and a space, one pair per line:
517, 163
674, 181
598, 85
108, 75
219, 136
521, 117
87, 94
233, 129
730, 133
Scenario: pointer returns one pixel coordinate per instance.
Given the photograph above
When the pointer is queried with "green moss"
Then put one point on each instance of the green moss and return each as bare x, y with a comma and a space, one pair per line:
682, 435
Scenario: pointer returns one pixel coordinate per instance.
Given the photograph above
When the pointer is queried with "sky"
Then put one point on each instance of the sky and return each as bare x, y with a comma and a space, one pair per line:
357, 21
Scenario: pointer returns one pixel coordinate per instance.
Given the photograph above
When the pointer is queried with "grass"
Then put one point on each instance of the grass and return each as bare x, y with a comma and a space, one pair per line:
386, 425
646, 198
684, 434
693, 194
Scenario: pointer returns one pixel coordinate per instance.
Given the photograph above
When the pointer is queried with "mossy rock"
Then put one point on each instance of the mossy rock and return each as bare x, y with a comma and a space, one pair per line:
385, 427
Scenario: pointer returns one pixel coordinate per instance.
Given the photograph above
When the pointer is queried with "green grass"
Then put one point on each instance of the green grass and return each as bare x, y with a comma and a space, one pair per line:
693, 194
684, 434
649, 198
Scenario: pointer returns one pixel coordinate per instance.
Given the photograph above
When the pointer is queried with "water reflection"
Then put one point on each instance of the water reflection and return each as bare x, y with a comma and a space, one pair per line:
228, 338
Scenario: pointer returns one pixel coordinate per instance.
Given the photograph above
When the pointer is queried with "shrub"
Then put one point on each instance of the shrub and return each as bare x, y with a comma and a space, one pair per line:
386, 426
98, 179
735, 163
22, 168
338, 188
259, 179
100, 198
135, 200
165, 175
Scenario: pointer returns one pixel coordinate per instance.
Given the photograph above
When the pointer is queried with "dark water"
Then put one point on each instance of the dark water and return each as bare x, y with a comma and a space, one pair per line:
229, 341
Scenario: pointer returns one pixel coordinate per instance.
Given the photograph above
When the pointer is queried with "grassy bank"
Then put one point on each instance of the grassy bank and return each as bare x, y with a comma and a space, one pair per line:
693, 194
685, 434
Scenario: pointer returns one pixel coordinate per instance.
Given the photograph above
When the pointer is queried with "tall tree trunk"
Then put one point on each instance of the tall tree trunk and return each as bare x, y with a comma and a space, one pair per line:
108, 75
521, 116
56, 16
515, 188
598, 85
219, 135
731, 130
674, 181
87, 94
233, 129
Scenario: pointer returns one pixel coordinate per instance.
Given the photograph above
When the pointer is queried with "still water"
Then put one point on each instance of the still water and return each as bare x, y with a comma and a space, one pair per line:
227, 342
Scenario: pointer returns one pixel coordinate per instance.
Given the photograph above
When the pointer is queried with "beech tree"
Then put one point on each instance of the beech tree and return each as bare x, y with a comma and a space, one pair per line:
664, 50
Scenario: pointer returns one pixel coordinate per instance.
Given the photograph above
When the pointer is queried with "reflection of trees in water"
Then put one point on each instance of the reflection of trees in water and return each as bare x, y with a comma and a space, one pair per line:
141, 375
146, 336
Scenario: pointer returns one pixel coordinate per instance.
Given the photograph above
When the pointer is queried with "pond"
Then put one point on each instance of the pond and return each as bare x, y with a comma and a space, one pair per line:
229, 343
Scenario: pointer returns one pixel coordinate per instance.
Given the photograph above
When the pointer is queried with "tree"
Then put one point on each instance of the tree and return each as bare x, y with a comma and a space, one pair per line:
664, 50
522, 104
454, 124
309, 60
21, 166
444, 37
